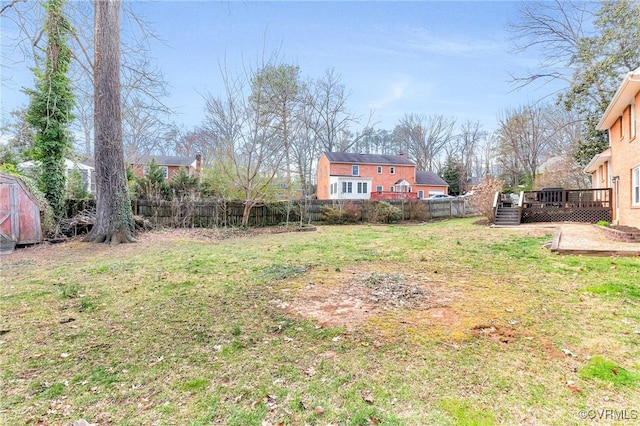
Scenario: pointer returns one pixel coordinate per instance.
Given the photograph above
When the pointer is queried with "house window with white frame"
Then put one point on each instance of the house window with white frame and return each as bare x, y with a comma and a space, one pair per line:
420, 194
392, 170
392, 189
379, 170
355, 170
362, 187
635, 186
379, 188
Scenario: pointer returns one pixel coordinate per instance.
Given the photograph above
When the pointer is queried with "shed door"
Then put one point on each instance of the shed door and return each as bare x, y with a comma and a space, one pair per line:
8, 212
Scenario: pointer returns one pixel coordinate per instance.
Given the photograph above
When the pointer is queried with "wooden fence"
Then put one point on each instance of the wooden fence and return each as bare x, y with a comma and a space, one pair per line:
209, 214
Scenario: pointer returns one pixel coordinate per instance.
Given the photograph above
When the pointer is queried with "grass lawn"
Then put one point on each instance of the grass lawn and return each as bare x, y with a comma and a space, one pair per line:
444, 323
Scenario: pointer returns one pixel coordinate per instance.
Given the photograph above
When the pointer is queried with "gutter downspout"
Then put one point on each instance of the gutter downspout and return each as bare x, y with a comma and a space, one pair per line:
616, 181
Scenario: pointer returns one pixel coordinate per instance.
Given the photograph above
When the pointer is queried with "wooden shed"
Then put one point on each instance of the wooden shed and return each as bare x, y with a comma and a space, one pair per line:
19, 214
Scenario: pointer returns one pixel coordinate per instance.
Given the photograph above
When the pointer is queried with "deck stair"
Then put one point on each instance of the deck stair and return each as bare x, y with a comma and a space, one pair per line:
507, 216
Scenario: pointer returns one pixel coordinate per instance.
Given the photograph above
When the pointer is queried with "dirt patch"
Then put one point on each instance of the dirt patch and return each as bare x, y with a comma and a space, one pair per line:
353, 297
495, 333
47, 250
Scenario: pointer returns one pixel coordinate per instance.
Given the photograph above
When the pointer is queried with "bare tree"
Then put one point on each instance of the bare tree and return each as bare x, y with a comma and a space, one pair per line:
248, 150
424, 138
464, 150
114, 219
143, 85
331, 118
523, 141
588, 46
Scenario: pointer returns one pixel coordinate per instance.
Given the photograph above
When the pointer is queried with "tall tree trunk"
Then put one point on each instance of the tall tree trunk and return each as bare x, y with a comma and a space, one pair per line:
114, 219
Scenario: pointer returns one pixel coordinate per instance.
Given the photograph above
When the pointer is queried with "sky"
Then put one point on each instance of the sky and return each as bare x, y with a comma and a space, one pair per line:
394, 58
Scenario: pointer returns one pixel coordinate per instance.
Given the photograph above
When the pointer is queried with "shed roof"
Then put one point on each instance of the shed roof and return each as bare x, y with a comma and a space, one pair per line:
429, 178
345, 157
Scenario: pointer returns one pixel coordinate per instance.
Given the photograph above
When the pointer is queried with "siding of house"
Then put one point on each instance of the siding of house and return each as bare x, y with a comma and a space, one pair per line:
172, 164
624, 142
431, 189
625, 157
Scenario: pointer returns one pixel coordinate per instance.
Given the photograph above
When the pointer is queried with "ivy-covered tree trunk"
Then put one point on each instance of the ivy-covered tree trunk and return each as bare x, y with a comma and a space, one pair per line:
114, 219
50, 109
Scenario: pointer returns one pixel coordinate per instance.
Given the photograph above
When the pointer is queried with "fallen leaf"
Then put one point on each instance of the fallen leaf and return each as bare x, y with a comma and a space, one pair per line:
366, 395
567, 352
319, 410
574, 388
614, 371
374, 420
310, 371
288, 339
64, 355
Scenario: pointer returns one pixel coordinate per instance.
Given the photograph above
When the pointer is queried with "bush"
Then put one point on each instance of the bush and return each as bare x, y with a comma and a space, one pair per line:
341, 213
483, 196
386, 213
76, 189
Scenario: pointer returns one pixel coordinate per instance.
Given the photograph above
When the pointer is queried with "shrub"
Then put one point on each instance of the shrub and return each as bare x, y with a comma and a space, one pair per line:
483, 196
603, 223
386, 213
76, 189
341, 213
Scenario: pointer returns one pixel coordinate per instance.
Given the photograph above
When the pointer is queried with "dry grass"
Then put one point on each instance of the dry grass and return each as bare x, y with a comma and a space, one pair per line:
205, 328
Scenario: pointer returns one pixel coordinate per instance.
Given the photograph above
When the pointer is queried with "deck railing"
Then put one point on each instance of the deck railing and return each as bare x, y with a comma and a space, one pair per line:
561, 205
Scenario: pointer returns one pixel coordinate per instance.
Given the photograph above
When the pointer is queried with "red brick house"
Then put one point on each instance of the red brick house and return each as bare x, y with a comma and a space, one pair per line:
169, 164
346, 176
618, 166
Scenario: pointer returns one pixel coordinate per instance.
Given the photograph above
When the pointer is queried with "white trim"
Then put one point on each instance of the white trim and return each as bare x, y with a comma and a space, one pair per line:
635, 186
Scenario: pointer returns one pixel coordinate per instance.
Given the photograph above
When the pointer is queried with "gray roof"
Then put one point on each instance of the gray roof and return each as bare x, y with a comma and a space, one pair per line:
345, 157
429, 178
167, 160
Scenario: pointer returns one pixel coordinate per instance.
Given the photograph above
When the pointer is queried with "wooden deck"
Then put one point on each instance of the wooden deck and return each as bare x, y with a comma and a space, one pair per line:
567, 205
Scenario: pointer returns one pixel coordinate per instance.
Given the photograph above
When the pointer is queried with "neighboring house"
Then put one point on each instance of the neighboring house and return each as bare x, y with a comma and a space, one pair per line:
345, 176
170, 165
618, 166
561, 171
429, 183
86, 171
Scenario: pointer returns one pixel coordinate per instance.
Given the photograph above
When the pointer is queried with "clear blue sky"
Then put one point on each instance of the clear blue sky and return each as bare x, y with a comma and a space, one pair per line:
449, 58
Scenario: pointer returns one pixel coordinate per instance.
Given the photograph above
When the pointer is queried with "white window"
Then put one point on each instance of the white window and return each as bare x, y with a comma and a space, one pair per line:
635, 186
355, 170
392, 170
379, 170
421, 194
362, 187
344, 187
379, 188
392, 189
